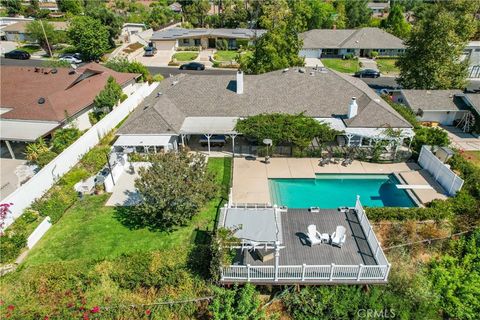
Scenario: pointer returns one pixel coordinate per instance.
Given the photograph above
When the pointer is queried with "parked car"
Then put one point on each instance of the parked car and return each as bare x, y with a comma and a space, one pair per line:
192, 66
149, 51
17, 54
71, 59
367, 73
75, 55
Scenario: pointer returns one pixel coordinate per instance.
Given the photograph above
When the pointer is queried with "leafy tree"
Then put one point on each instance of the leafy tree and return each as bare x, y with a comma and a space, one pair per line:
123, 65
89, 37
109, 96
341, 16
396, 23
62, 138
108, 18
429, 136
36, 32
75, 7
233, 14
285, 128
160, 15
279, 47
172, 190
13, 7
456, 277
431, 60
196, 12
236, 304
357, 12
323, 15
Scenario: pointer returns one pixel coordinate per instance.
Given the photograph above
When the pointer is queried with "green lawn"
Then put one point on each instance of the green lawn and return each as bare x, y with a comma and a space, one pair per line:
387, 66
185, 56
345, 66
89, 230
223, 55
30, 48
473, 156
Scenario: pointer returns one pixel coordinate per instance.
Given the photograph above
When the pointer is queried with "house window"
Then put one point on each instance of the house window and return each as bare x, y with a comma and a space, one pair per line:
350, 50
382, 50
186, 41
197, 42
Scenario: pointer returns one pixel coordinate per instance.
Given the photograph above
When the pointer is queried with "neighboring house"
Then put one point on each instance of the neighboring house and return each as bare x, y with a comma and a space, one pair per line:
6, 21
378, 8
18, 30
446, 107
133, 28
334, 43
50, 5
193, 105
170, 39
176, 7
35, 101
471, 53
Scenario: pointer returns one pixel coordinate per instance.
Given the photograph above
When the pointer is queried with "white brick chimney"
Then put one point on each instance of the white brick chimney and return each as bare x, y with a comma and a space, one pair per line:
239, 82
352, 108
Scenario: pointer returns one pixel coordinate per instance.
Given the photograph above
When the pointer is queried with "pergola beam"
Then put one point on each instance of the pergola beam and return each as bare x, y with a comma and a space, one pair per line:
10, 150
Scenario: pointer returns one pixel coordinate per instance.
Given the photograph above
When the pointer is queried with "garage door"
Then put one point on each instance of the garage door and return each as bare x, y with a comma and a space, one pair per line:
165, 45
310, 53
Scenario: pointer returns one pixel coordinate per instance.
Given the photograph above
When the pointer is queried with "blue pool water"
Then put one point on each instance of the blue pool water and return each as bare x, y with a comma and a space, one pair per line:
339, 190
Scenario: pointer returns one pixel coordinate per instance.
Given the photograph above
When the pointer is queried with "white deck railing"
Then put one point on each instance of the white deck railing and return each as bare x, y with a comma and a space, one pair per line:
307, 273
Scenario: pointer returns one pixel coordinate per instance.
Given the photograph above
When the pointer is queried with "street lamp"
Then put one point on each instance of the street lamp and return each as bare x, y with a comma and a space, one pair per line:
268, 143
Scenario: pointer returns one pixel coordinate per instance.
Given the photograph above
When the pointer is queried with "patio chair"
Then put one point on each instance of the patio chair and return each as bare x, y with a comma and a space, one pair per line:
339, 236
313, 235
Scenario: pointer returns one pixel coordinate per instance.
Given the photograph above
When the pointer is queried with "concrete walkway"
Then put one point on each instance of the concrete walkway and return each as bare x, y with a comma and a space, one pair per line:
368, 63
313, 62
250, 177
124, 193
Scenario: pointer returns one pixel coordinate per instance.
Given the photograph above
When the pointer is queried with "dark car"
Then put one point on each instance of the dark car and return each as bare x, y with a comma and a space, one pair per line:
17, 54
192, 66
367, 73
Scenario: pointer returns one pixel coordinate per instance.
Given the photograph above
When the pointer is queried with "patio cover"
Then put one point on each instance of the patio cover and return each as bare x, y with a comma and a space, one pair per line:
142, 140
209, 125
17, 130
255, 224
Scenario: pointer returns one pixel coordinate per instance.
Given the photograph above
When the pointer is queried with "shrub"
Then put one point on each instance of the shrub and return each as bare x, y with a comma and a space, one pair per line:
349, 56
373, 54
55, 203
401, 214
190, 48
73, 176
11, 244
123, 65
109, 96
62, 138
221, 44
45, 158
429, 136
35, 149
244, 303
242, 43
95, 159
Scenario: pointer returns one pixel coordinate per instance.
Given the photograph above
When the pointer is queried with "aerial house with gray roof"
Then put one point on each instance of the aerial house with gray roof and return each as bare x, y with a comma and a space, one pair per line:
337, 43
189, 108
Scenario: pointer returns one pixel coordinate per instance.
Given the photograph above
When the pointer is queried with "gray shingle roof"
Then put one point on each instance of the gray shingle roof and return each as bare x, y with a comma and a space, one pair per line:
180, 33
434, 100
322, 95
363, 38
474, 99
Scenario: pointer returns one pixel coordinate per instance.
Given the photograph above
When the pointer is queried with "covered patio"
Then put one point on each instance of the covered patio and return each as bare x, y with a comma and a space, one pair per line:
147, 143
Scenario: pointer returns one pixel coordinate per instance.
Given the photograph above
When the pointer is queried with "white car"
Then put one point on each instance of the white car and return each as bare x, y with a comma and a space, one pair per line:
71, 59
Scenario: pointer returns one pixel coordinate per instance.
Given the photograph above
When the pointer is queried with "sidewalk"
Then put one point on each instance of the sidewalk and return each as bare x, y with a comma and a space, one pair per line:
368, 63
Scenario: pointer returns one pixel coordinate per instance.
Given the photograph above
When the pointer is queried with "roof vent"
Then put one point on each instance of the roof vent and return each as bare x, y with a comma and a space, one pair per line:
54, 70
174, 82
285, 70
301, 70
41, 100
312, 73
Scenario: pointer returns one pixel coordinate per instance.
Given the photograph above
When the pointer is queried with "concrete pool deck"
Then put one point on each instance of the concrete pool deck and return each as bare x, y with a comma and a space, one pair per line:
250, 177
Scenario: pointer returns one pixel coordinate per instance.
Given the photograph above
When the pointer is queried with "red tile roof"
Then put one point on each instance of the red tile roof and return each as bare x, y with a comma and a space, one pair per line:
22, 87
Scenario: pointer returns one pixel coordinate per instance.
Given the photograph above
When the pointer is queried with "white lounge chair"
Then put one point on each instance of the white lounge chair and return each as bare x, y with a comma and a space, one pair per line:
339, 236
313, 235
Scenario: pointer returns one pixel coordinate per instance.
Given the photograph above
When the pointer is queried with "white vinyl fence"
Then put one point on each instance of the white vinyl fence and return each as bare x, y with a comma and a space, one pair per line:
24, 196
440, 171
38, 233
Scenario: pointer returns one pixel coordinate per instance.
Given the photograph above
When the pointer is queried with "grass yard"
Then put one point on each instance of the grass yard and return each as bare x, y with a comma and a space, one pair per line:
473, 157
30, 48
224, 55
185, 56
89, 230
345, 66
387, 66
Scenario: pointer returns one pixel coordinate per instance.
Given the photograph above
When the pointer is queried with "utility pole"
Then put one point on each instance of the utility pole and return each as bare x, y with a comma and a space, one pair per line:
46, 39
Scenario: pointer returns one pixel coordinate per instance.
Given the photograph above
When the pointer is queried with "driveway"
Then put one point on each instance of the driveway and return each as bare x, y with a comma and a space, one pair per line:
13, 173
204, 57
313, 62
160, 59
7, 46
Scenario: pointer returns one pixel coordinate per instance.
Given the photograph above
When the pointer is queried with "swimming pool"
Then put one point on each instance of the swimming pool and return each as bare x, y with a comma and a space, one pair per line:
339, 190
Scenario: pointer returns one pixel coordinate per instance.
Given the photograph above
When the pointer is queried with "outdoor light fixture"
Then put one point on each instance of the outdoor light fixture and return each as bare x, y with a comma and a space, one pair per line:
268, 143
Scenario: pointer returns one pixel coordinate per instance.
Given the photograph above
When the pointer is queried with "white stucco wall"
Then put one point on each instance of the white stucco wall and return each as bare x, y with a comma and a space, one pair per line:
442, 117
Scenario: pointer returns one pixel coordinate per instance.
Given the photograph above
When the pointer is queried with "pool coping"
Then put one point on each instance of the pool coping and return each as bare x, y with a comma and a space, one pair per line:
412, 195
